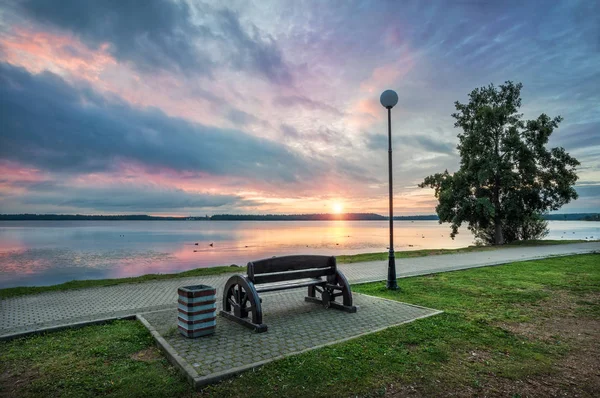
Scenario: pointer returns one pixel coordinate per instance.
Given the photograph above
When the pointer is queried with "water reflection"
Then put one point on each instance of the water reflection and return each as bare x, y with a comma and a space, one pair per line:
49, 252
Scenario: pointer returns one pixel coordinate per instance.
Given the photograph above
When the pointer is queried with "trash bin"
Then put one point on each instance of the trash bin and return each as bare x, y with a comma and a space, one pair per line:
197, 310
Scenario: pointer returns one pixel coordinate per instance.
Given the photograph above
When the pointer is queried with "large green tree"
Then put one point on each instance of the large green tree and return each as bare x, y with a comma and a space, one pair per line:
507, 178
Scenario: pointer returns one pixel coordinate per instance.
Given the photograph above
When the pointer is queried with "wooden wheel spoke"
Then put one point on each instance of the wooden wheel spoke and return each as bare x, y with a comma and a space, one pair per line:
230, 292
232, 302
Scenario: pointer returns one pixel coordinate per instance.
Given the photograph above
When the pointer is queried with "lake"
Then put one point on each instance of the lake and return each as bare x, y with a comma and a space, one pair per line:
51, 252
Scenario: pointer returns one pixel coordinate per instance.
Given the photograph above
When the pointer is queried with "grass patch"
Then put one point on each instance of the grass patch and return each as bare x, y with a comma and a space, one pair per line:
357, 258
79, 284
117, 359
459, 352
548, 242
363, 257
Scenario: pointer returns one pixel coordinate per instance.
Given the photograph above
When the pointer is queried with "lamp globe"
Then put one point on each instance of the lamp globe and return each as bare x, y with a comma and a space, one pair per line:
388, 99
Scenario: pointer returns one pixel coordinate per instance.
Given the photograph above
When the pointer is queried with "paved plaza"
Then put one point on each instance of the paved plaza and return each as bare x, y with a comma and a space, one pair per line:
55, 309
294, 326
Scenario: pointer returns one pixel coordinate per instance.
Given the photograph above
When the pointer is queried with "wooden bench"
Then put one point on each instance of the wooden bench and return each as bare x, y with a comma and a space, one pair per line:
318, 273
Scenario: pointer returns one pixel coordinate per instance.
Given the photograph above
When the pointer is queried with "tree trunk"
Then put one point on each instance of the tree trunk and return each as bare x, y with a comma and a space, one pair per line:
498, 236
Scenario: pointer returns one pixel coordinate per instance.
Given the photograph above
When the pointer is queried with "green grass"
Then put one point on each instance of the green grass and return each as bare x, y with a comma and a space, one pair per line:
357, 258
79, 284
438, 351
344, 259
548, 242
460, 350
88, 362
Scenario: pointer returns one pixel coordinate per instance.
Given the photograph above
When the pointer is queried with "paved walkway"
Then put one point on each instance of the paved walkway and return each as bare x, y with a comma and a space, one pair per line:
295, 326
54, 309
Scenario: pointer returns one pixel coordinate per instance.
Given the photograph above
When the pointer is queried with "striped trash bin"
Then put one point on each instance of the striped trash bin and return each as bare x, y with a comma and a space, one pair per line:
197, 310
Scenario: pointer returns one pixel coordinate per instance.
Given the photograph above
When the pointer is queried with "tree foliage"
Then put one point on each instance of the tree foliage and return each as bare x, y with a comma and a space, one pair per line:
507, 177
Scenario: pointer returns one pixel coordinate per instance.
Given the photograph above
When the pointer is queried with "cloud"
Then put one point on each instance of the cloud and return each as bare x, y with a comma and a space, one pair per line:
575, 136
298, 100
58, 127
241, 118
289, 131
123, 198
380, 141
592, 191
254, 51
320, 138
431, 145
328, 136
376, 141
153, 35
165, 35
588, 201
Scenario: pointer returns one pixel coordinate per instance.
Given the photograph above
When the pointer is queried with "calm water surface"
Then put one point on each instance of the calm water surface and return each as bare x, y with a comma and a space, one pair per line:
50, 252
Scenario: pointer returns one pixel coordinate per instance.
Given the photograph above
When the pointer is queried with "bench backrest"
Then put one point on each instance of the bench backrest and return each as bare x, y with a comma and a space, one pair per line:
285, 268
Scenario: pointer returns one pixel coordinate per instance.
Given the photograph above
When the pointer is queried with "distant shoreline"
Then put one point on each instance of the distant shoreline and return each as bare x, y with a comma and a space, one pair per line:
217, 217
265, 217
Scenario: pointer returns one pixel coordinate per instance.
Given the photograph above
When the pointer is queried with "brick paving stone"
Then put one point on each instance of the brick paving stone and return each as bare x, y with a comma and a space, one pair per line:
52, 309
294, 325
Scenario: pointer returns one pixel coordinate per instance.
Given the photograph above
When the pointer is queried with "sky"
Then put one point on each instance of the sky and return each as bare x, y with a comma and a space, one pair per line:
198, 108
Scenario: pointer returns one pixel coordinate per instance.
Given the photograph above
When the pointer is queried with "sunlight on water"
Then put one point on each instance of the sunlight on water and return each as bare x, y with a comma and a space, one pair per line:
50, 252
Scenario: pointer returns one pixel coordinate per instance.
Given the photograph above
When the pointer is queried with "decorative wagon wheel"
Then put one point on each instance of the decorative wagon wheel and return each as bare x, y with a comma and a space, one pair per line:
241, 298
337, 286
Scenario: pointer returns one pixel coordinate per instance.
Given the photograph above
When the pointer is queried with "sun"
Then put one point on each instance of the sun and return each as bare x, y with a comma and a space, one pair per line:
338, 208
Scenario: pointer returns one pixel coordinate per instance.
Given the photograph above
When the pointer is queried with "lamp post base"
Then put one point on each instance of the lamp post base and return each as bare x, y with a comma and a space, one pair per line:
391, 280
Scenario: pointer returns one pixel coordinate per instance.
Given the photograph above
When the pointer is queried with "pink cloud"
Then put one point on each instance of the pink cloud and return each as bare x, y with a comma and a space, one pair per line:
62, 54
311, 196
68, 57
393, 36
387, 76
15, 177
366, 110
315, 196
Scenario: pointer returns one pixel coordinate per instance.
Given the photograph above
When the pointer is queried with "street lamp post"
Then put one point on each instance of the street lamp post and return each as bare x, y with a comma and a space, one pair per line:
388, 99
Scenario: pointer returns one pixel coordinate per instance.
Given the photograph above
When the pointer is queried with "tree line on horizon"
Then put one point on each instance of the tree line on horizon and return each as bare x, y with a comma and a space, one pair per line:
263, 217
218, 217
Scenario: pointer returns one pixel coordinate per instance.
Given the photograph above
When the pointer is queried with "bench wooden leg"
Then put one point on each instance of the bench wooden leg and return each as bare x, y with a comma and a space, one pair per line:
336, 286
240, 300
332, 304
258, 328
348, 308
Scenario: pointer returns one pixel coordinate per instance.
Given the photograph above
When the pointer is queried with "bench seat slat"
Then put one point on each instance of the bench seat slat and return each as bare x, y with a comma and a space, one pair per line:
292, 275
272, 288
288, 263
